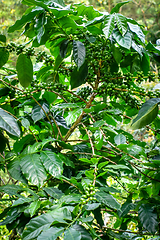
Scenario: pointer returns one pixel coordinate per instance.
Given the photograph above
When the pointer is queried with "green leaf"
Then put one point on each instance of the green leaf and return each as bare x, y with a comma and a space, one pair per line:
36, 225
107, 199
84, 234
3, 38
148, 218
3, 142
9, 123
117, 7
40, 30
33, 169
25, 123
51, 234
34, 206
4, 55
117, 53
99, 123
91, 206
95, 21
120, 139
126, 207
63, 48
124, 41
49, 96
121, 23
73, 115
72, 234
52, 163
53, 192
79, 53
26, 18
38, 112
15, 170
24, 69
78, 76
146, 114
35, 3
137, 30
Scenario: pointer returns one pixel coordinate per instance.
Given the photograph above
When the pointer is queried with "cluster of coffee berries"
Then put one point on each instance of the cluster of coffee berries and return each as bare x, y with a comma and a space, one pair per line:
89, 194
43, 56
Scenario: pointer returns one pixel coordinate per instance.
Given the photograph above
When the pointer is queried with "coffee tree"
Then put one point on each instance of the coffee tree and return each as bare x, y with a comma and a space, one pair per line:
67, 119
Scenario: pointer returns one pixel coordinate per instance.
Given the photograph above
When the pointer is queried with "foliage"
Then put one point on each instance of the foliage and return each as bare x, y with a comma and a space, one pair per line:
63, 119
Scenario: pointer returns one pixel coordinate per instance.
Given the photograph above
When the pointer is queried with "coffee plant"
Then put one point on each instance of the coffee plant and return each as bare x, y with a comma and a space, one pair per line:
70, 111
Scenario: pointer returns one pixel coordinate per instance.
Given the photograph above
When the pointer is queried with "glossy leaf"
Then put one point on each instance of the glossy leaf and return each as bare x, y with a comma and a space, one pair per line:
36, 225
39, 27
3, 38
73, 115
79, 53
33, 169
34, 206
107, 199
84, 233
4, 55
117, 7
109, 25
16, 171
78, 76
72, 234
63, 48
121, 23
146, 114
24, 69
148, 218
9, 123
38, 111
53, 192
125, 41
137, 30
51, 234
120, 139
52, 163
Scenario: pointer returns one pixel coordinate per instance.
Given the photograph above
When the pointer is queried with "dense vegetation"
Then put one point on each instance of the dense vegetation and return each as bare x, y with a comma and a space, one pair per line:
71, 164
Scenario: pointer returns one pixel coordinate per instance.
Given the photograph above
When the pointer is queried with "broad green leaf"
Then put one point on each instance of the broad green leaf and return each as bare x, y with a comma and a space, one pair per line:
4, 55
124, 41
121, 23
35, 3
117, 7
33, 169
25, 18
3, 142
73, 115
9, 219
49, 96
117, 54
24, 69
3, 38
40, 30
36, 225
137, 48
79, 53
72, 234
11, 189
34, 206
63, 48
99, 123
51, 234
91, 206
126, 207
117, 167
146, 114
137, 30
107, 199
25, 123
52, 163
95, 21
78, 76
84, 233
53, 192
38, 112
9, 123
120, 139
148, 218
15, 170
